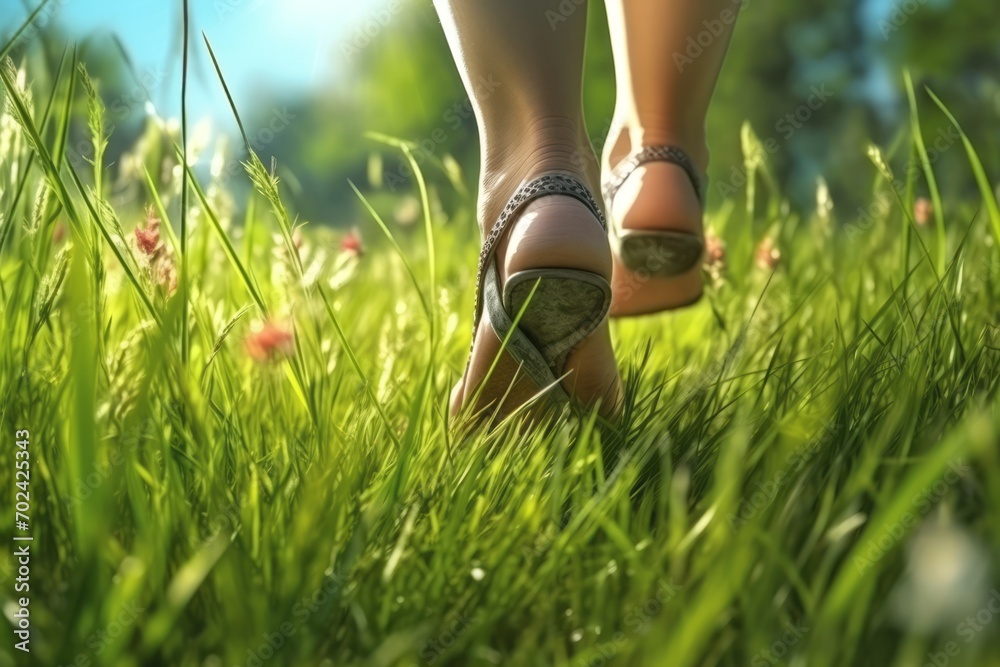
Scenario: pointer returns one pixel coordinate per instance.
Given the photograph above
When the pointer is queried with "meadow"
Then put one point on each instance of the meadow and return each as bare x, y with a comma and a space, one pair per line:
240, 452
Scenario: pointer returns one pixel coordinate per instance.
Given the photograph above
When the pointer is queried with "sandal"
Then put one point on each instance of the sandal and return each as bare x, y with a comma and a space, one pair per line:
663, 254
566, 305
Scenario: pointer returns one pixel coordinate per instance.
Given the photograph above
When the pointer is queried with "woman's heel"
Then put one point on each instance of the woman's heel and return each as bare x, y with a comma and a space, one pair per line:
555, 309
540, 308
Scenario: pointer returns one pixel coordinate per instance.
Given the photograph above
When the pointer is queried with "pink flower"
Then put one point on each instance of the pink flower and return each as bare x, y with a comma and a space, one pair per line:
157, 257
923, 211
148, 238
715, 257
351, 244
715, 250
768, 255
273, 341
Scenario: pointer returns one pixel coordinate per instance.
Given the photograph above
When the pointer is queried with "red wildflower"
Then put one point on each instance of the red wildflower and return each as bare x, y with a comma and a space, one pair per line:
351, 244
768, 255
271, 342
148, 238
715, 257
715, 250
923, 211
157, 258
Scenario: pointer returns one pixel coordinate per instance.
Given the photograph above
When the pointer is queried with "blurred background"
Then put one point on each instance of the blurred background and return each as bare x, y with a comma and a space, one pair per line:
313, 79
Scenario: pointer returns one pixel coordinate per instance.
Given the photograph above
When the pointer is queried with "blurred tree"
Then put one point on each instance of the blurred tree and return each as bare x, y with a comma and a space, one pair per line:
953, 48
401, 83
818, 81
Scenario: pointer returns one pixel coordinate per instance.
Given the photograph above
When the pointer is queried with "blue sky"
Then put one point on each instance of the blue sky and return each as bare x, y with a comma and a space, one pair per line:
272, 45
266, 45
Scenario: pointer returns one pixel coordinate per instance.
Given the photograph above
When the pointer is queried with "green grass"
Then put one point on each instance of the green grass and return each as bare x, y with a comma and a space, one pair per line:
807, 472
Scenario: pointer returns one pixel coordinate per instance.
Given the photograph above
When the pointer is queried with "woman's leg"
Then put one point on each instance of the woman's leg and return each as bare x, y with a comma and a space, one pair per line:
521, 62
668, 54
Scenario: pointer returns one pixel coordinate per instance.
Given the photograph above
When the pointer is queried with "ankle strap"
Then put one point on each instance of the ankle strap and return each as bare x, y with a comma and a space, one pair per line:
670, 154
543, 186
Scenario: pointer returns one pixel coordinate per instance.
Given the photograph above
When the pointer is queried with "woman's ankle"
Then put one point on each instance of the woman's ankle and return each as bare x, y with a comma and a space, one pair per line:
628, 135
672, 203
513, 156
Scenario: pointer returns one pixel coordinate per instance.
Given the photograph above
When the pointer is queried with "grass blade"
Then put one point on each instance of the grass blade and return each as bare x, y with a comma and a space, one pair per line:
185, 277
918, 137
982, 180
24, 26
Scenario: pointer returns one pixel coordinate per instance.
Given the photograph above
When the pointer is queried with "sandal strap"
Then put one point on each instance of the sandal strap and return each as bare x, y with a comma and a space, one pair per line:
670, 154
543, 186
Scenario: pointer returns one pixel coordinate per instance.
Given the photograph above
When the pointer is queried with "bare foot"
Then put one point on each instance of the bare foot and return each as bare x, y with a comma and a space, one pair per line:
657, 196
